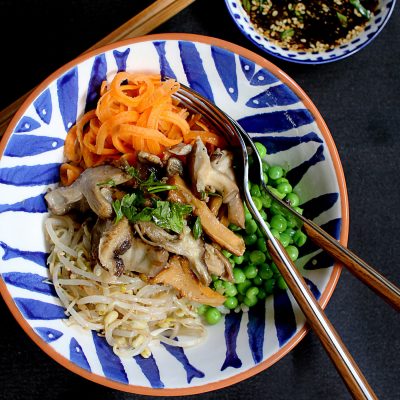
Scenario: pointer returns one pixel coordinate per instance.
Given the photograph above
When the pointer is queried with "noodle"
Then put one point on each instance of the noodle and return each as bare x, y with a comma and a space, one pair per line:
127, 311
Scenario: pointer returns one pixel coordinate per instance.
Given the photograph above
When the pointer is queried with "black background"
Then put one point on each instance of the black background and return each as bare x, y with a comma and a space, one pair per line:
359, 99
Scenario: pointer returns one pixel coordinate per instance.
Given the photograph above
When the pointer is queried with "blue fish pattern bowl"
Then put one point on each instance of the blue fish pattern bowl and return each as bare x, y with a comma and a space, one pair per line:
373, 27
270, 106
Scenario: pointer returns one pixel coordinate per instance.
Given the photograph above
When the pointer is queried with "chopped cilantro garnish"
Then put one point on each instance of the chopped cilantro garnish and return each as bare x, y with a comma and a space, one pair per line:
165, 214
151, 184
197, 228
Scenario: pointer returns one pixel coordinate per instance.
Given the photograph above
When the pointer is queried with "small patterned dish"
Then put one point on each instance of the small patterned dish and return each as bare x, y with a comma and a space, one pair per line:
270, 106
371, 30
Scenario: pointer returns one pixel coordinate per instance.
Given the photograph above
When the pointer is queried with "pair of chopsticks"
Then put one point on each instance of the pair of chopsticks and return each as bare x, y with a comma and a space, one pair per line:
141, 24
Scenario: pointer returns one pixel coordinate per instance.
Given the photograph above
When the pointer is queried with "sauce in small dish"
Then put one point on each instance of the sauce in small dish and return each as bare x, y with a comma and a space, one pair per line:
310, 25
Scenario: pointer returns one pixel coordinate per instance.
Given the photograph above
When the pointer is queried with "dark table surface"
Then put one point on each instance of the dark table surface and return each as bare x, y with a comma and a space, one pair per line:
359, 99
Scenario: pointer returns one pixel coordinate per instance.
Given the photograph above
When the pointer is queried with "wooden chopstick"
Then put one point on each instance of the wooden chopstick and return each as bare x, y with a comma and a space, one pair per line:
141, 24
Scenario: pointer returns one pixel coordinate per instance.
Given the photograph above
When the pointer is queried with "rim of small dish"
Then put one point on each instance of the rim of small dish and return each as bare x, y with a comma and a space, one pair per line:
343, 234
311, 62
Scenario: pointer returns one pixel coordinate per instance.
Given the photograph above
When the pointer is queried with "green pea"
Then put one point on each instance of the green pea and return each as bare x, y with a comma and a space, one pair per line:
262, 150
247, 215
289, 231
284, 239
231, 303
255, 191
257, 257
284, 188
250, 301
276, 208
275, 172
257, 280
257, 202
281, 283
219, 286
266, 200
238, 259
202, 309
242, 287
265, 271
281, 180
265, 177
250, 239
299, 238
262, 245
293, 252
238, 275
278, 222
264, 215
269, 285
261, 294
291, 221
212, 316
231, 261
231, 291
293, 199
251, 226
259, 233
275, 233
265, 166
250, 271
214, 277
252, 291
274, 268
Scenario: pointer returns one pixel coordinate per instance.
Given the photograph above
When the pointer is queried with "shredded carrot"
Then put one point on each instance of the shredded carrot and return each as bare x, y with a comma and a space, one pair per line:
136, 112
69, 173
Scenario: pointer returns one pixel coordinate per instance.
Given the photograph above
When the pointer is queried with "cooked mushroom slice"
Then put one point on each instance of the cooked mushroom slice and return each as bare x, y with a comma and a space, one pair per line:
118, 250
174, 166
181, 149
222, 161
97, 232
179, 275
217, 263
206, 178
210, 223
149, 158
93, 185
64, 199
185, 245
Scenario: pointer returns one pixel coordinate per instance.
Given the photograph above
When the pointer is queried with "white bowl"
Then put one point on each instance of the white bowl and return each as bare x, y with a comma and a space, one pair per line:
270, 106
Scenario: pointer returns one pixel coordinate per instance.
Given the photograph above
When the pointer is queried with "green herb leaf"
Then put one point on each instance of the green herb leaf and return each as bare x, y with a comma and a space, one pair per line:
361, 9
165, 214
288, 33
116, 205
151, 184
197, 228
110, 183
170, 215
342, 19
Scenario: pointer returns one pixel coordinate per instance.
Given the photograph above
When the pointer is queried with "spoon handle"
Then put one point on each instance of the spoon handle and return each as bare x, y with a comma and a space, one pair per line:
358, 267
316, 318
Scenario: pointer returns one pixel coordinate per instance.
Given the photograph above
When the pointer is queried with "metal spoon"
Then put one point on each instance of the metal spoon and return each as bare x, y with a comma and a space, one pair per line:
343, 361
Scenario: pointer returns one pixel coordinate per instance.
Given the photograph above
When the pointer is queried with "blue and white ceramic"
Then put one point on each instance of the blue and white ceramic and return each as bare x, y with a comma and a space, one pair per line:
372, 29
270, 106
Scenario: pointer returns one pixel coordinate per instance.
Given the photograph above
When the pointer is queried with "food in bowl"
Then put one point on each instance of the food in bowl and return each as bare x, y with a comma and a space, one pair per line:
149, 236
310, 25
